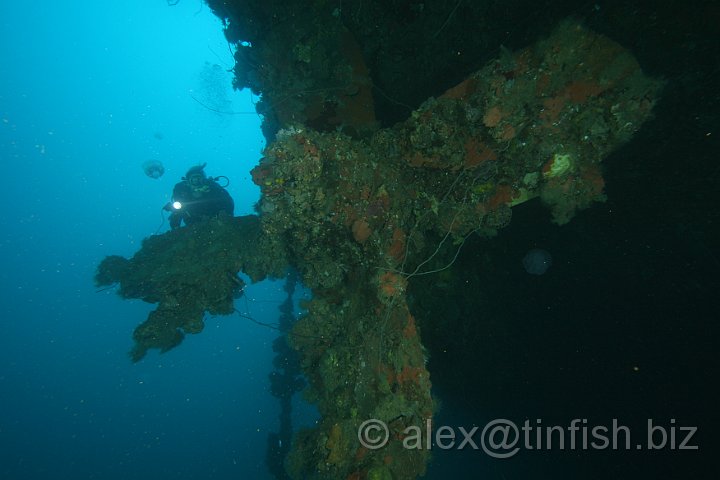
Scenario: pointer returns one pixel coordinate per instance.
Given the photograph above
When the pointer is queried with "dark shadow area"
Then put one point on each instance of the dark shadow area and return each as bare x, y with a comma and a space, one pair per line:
624, 325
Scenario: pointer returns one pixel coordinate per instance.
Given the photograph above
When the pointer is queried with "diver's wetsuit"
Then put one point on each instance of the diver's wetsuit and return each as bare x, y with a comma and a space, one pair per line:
200, 204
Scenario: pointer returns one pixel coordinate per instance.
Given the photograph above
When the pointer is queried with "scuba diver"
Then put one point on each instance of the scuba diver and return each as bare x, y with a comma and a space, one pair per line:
198, 197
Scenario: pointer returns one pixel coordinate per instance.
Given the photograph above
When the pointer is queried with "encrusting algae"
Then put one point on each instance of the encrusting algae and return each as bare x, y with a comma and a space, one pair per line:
360, 215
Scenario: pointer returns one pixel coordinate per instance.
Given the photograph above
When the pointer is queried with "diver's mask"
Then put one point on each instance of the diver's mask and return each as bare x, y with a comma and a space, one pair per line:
198, 182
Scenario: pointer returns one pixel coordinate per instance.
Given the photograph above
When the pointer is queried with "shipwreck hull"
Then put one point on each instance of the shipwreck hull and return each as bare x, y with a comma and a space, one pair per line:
362, 217
360, 211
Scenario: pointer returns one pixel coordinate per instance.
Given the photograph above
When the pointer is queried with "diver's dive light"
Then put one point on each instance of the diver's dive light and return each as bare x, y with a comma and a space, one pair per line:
170, 206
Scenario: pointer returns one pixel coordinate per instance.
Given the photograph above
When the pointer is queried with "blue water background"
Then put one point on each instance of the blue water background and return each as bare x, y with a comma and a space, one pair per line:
89, 91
